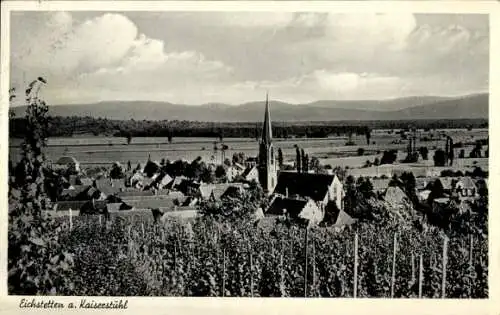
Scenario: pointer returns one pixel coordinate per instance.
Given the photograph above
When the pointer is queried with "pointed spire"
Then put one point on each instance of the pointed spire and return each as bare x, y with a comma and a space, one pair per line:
267, 132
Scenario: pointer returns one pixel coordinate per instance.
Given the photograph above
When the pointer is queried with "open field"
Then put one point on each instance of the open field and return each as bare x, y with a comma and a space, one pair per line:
103, 151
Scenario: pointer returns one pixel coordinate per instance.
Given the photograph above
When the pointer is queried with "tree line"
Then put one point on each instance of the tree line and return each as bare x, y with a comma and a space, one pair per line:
74, 125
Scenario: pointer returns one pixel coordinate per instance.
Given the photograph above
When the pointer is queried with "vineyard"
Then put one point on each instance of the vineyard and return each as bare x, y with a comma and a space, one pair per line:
134, 257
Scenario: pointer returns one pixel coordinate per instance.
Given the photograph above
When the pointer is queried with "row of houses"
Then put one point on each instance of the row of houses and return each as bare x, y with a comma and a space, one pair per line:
140, 192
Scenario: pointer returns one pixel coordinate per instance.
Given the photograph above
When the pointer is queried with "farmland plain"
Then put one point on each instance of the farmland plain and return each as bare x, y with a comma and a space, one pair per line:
96, 151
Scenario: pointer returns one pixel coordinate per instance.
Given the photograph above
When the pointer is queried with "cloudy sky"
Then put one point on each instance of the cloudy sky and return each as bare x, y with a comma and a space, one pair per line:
204, 57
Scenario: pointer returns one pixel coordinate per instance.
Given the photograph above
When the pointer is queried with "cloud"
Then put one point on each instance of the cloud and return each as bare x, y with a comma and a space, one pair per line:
234, 57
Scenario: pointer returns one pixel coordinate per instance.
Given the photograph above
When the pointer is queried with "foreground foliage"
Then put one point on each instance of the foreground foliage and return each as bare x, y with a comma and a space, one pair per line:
132, 256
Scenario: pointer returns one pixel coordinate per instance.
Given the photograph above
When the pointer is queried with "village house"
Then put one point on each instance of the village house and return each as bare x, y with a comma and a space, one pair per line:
234, 171
465, 187
68, 162
322, 188
250, 162
304, 211
217, 191
251, 174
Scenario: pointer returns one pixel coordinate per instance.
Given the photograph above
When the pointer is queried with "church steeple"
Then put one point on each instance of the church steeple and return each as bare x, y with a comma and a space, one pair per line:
267, 160
267, 131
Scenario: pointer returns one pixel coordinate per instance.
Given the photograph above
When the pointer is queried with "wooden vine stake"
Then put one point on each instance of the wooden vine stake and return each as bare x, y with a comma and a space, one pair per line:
420, 276
305, 266
251, 268
471, 250
412, 267
223, 272
70, 219
142, 228
100, 220
445, 261
355, 293
314, 267
393, 275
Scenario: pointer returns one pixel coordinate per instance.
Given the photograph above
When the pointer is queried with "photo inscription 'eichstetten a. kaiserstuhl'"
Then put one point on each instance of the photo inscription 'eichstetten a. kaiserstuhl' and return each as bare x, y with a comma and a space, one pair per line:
83, 304
248, 154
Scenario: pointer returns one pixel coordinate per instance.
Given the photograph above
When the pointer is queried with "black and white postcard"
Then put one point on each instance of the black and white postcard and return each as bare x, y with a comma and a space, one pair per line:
306, 152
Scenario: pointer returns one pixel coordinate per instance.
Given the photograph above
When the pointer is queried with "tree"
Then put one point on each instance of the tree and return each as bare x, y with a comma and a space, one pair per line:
424, 152
116, 171
437, 191
461, 154
315, 165
368, 135
227, 162
37, 262
361, 151
409, 186
239, 157
280, 158
389, 157
129, 137
350, 193
365, 187
376, 162
207, 176
220, 171
306, 163
298, 160
439, 158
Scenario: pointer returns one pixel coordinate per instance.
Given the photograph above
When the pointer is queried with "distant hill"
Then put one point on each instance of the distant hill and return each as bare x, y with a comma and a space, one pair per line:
427, 107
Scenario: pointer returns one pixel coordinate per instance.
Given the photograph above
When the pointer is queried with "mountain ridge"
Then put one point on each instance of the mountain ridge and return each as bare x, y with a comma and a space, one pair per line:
424, 107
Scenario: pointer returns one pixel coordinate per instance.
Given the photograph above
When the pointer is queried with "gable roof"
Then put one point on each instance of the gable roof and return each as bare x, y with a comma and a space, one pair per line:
105, 186
119, 184
232, 191
466, 183
66, 160
247, 171
312, 185
113, 207
421, 183
151, 167
134, 193
176, 182
293, 206
86, 181
395, 196
239, 166
66, 205
167, 203
446, 181
380, 184
73, 193
97, 206
343, 219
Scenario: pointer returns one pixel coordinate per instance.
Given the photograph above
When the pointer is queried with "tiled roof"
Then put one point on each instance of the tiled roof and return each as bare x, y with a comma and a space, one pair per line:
467, 183
380, 184
134, 193
293, 206
66, 205
314, 186
152, 203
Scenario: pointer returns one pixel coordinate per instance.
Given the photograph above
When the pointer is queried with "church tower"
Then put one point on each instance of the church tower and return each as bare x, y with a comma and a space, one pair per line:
267, 159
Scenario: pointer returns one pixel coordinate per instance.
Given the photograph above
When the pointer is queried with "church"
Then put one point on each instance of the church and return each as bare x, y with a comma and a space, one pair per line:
305, 196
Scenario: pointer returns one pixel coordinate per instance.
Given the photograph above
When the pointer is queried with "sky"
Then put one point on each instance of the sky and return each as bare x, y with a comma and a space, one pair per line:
235, 57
